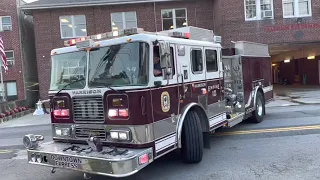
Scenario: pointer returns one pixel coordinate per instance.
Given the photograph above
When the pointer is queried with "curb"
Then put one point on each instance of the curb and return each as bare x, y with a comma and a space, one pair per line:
316, 103
25, 125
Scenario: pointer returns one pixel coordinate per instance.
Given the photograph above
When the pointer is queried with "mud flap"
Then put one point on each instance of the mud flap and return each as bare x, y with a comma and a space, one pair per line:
206, 140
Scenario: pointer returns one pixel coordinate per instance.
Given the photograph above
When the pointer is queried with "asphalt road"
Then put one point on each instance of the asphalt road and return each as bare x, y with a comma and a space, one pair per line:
284, 146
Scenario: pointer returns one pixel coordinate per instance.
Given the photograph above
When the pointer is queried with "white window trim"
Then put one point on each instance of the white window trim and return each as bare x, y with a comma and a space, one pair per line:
174, 16
6, 91
1, 26
13, 57
296, 10
258, 11
73, 24
124, 19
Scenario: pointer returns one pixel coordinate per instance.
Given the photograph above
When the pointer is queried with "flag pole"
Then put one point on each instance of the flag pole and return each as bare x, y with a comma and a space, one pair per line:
2, 85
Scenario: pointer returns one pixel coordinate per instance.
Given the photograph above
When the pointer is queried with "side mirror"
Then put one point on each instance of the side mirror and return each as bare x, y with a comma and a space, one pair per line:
164, 50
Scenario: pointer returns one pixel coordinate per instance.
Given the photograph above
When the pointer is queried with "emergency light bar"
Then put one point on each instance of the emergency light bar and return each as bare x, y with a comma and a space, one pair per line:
185, 32
107, 35
178, 34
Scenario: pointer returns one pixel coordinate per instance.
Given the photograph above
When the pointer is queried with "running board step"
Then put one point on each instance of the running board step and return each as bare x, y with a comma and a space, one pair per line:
236, 119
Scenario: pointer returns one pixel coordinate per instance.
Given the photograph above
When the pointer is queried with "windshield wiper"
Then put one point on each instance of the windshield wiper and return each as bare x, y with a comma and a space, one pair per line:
69, 85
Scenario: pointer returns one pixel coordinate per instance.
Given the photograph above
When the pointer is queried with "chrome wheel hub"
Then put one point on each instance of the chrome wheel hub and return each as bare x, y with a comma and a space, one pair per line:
259, 107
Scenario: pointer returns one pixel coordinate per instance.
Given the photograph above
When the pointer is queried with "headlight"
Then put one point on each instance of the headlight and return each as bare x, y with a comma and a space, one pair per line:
31, 141
63, 131
118, 134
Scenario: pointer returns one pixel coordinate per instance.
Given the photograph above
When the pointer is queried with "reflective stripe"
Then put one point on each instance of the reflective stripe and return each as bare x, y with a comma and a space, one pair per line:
165, 142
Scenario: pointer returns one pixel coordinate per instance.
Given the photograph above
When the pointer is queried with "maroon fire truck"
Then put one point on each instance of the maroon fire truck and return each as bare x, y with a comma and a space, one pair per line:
122, 99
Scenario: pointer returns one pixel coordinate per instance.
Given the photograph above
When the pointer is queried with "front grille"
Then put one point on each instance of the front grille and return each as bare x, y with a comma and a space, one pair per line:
88, 109
82, 132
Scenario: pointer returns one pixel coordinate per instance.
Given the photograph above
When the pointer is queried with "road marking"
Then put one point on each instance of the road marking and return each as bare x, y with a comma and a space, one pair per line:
5, 151
299, 128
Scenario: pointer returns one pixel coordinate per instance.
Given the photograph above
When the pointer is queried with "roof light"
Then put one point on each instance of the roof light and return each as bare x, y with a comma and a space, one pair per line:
72, 42
311, 57
178, 34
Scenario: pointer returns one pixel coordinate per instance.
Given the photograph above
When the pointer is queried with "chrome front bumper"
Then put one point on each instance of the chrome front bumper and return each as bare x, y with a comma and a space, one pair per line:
51, 154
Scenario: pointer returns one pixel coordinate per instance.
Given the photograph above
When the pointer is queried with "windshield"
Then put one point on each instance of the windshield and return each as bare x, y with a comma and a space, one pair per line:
67, 68
119, 65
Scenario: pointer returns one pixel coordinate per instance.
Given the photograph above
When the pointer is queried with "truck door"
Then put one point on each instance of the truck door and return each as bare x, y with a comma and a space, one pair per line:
214, 78
164, 103
197, 76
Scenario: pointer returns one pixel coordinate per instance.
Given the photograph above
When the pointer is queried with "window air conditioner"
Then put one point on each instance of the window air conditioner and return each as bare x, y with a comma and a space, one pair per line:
10, 63
266, 14
6, 28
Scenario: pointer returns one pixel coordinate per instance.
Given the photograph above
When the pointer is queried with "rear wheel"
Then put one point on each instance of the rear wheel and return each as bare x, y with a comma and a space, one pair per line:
257, 115
192, 140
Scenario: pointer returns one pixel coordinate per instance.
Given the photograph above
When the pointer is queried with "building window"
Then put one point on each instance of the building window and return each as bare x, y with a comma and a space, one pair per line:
211, 60
123, 20
73, 26
11, 93
10, 57
5, 23
258, 9
296, 8
174, 18
196, 60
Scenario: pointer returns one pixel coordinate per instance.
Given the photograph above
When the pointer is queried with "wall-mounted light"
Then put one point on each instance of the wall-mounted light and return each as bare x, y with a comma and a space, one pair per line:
274, 64
64, 20
311, 57
287, 61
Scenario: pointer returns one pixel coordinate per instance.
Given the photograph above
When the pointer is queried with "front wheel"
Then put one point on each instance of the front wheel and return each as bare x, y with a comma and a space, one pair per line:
192, 140
257, 115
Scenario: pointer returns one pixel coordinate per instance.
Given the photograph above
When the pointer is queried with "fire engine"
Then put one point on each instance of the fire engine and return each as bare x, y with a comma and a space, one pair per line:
120, 100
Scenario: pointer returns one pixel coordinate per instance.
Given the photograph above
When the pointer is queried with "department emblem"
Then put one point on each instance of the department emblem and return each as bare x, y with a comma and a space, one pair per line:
165, 101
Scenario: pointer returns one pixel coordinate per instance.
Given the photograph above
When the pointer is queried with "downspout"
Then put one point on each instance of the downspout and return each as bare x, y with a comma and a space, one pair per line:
22, 51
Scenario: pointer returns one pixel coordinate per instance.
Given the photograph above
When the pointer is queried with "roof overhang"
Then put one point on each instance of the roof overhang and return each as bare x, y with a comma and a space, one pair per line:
30, 7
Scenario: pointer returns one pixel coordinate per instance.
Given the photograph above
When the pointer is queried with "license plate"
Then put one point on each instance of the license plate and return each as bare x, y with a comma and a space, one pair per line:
66, 161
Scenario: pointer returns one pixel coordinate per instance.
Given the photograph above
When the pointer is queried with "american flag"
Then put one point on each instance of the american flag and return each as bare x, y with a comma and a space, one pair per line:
3, 55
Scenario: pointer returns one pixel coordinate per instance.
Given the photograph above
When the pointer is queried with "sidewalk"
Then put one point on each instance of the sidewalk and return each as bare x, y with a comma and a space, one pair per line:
295, 95
27, 120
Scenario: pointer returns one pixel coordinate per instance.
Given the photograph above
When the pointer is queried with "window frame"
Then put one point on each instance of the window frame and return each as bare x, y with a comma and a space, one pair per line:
174, 18
216, 61
123, 18
258, 11
73, 24
191, 60
1, 24
15, 97
10, 59
296, 9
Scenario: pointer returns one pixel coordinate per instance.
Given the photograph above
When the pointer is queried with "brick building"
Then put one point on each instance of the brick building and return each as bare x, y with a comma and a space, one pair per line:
290, 27
11, 24
274, 22
55, 21
9, 30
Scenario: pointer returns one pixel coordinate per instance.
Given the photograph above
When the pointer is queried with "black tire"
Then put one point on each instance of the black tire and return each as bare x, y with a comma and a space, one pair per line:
257, 114
192, 140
